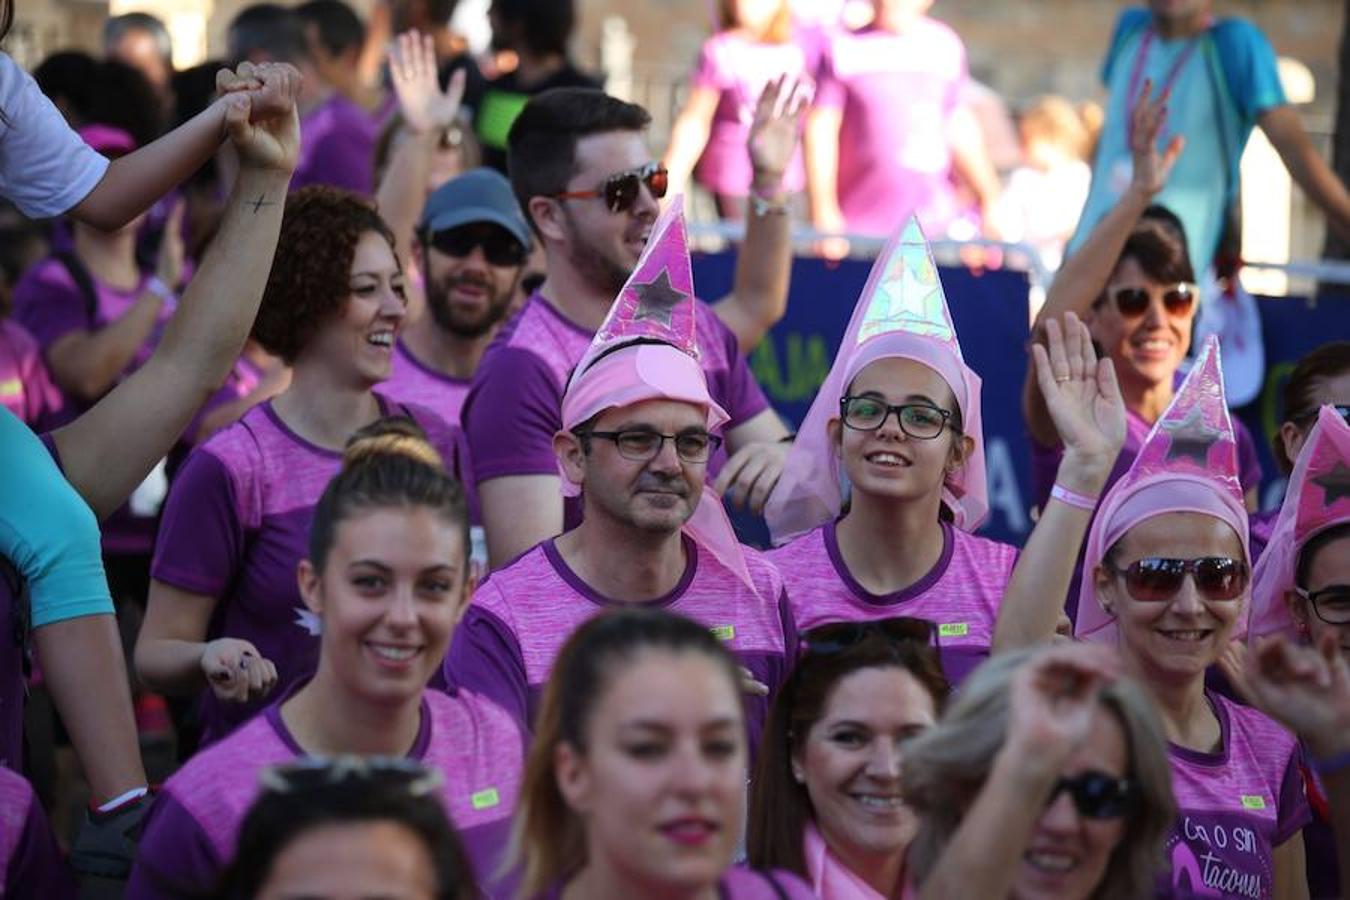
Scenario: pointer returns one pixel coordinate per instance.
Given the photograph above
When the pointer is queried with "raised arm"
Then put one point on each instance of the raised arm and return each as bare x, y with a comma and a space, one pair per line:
758, 297
110, 449
1306, 166
427, 112
1084, 275
135, 181
1084, 401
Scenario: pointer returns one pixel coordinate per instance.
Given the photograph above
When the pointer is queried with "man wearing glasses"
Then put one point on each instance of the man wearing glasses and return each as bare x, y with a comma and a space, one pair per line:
586, 179
472, 243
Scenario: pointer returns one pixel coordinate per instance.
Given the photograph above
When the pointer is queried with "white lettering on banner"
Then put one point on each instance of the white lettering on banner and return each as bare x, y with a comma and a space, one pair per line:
1005, 495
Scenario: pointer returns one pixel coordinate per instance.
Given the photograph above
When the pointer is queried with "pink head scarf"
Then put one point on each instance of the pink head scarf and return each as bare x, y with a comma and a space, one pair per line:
1318, 498
902, 313
1188, 463
647, 349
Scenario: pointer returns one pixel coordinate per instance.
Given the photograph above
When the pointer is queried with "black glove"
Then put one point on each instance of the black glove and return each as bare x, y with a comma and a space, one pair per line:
106, 844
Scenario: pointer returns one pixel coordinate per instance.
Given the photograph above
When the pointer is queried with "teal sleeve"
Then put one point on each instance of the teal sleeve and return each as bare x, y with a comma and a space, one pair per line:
47, 531
1250, 65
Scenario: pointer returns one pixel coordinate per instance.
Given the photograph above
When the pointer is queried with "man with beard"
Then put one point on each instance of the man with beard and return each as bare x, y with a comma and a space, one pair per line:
472, 242
583, 173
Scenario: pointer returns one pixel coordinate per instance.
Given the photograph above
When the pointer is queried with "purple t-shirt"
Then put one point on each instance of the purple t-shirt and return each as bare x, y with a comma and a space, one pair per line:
26, 387
960, 594
191, 831
1235, 807
514, 406
413, 381
1260, 528
31, 864
897, 94
739, 884
739, 68
337, 147
236, 525
522, 615
1319, 840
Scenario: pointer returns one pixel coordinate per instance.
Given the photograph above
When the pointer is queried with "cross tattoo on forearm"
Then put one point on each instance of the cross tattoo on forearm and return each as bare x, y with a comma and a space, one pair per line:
259, 203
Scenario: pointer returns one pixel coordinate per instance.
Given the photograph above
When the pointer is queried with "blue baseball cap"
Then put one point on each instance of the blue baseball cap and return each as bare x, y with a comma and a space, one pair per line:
479, 195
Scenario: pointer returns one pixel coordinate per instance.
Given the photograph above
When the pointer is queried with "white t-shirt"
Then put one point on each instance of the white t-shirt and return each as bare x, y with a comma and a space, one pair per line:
45, 169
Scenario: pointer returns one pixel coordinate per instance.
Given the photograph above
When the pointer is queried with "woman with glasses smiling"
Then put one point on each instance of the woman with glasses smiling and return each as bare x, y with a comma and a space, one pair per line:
885, 483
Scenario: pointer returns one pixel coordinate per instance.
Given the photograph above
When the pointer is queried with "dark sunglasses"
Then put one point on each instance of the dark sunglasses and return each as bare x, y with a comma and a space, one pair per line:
836, 637
313, 773
1157, 579
1132, 302
500, 248
620, 191
1097, 795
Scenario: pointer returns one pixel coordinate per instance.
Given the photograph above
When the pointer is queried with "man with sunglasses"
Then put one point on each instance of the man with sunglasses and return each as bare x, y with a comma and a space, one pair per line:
589, 186
472, 243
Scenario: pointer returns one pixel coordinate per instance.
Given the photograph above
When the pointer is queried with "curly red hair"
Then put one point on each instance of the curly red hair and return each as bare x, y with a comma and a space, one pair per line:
310, 278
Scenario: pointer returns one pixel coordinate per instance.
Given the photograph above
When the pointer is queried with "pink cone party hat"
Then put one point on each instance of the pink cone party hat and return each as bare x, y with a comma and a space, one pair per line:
1188, 463
1318, 498
902, 312
647, 349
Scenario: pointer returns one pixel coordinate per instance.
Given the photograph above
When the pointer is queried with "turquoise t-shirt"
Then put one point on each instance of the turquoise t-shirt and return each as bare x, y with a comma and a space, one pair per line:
47, 531
1226, 78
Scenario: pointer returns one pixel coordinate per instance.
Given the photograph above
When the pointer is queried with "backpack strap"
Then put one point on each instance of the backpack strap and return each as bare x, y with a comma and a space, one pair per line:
83, 280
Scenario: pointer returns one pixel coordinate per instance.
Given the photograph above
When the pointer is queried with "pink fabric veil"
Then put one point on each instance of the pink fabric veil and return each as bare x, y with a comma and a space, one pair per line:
647, 349
1188, 463
1318, 498
902, 313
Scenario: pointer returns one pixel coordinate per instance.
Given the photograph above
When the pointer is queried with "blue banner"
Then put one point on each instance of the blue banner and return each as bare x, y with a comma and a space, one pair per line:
990, 310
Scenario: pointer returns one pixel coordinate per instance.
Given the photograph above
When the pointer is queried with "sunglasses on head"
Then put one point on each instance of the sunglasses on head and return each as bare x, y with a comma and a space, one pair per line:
1157, 579
837, 637
1132, 302
500, 247
1096, 795
313, 773
621, 191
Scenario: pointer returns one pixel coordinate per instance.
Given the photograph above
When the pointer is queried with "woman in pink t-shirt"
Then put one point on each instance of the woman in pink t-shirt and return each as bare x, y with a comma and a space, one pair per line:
825, 802
386, 578
635, 783
756, 45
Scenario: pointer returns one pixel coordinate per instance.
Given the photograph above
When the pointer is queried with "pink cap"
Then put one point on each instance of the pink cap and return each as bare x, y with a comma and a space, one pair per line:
1188, 463
1318, 498
902, 312
647, 349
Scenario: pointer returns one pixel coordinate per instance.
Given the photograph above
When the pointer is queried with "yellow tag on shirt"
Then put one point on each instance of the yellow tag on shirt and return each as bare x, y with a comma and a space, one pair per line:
724, 632
485, 799
11, 388
953, 629
1253, 801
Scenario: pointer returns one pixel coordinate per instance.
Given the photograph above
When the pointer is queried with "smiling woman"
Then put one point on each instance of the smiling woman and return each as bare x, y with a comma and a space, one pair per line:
225, 616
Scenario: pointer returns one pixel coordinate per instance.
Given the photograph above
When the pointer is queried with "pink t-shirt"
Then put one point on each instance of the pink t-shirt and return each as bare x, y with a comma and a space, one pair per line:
739, 68
522, 615
413, 381
897, 94
26, 387
192, 829
1235, 807
31, 864
235, 526
739, 883
961, 594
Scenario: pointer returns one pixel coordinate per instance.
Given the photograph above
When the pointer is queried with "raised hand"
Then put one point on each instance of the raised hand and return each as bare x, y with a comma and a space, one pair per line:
1306, 689
261, 117
1082, 397
776, 127
412, 69
1052, 701
1151, 167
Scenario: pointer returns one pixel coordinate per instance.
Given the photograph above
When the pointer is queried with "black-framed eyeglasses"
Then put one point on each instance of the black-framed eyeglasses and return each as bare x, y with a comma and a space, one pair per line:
1097, 795
922, 421
1177, 299
500, 247
642, 445
312, 773
620, 191
1157, 579
836, 637
1330, 604
1341, 409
